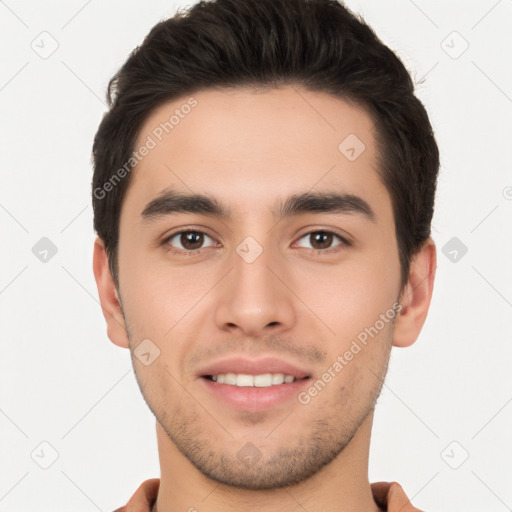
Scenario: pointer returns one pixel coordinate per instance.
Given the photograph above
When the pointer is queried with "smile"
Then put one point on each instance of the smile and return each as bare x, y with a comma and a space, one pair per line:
263, 380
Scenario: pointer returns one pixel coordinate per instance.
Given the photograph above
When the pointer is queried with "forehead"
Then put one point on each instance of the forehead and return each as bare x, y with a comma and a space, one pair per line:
248, 145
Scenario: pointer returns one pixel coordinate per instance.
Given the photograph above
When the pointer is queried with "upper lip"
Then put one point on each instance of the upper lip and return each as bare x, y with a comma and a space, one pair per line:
253, 367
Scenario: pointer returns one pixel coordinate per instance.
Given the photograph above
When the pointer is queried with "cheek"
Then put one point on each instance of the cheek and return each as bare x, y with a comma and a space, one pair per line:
156, 293
350, 296
167, 305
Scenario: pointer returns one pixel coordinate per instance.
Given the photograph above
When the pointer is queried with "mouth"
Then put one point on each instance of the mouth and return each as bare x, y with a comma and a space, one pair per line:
253, 385
263, 380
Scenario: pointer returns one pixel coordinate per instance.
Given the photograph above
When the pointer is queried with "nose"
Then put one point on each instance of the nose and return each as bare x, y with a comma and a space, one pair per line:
255, 299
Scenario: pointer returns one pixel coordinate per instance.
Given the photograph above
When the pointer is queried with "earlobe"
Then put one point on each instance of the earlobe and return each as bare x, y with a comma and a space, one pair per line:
416, 295
109, 299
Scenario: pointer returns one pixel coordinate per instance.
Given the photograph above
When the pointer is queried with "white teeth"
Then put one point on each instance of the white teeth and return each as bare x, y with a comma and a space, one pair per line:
243, 380
230, 378
277, 378
264, 380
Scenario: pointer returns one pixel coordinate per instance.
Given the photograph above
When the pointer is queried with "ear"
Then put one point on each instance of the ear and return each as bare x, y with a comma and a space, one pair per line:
109, 299
416, 295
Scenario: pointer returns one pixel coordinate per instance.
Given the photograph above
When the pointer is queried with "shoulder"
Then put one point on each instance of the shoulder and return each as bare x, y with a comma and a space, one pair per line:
391, 497
143, 498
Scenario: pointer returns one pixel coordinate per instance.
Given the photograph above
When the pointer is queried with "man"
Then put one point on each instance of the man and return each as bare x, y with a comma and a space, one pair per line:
263, 189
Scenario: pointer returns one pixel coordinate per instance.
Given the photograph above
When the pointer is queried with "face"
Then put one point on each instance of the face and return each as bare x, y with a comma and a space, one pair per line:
269, 300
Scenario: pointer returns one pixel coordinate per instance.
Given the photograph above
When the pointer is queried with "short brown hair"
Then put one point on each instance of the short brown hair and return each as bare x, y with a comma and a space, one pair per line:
318, 44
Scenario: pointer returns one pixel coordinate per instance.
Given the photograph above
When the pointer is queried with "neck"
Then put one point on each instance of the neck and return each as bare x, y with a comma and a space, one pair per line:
341, 486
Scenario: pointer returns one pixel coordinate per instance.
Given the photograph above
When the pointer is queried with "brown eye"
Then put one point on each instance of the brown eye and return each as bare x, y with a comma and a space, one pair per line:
322, 240
188, 240
191, 240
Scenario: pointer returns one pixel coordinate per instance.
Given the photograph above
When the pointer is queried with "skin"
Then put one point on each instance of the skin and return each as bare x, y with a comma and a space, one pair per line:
251, 149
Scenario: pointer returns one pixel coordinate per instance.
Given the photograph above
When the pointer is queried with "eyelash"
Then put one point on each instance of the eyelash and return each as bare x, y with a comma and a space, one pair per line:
318, 252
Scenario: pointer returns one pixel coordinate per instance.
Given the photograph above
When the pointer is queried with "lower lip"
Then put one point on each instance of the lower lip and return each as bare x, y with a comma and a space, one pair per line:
253, 398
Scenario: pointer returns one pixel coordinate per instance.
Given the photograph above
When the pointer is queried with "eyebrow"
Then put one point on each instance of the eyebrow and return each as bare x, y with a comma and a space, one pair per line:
172, 202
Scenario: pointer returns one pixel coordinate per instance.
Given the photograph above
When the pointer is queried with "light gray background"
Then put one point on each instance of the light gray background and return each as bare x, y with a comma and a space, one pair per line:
63, 382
